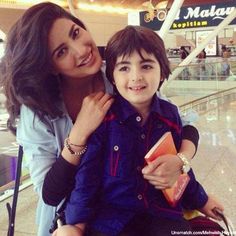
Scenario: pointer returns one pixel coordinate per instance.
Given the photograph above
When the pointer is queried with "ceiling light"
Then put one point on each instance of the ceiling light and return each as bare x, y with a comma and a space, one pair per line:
105, 8
16, 3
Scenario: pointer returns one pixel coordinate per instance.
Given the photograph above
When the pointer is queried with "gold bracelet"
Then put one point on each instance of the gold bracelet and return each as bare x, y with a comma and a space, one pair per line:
77, 154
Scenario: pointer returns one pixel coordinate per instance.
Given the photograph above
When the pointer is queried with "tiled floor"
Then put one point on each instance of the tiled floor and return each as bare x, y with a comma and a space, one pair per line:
215, 161
25, 215
214, 166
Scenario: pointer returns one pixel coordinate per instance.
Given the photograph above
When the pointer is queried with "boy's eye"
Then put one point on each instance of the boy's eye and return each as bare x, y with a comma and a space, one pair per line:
124, 68
147, 67
75, 33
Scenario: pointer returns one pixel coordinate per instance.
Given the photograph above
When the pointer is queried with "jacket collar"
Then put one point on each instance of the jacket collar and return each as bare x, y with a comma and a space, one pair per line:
124, 110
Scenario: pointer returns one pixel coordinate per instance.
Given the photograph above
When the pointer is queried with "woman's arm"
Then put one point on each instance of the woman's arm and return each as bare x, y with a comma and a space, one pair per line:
59, 180
190, 141
70, 230
92, 113
39, 145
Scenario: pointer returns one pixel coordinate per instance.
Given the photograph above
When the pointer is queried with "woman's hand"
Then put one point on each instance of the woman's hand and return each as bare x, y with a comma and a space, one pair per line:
163, 172
70, 230
92, 113
209, 206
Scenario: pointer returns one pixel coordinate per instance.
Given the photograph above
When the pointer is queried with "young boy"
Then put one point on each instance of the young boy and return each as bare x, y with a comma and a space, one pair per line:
111, 196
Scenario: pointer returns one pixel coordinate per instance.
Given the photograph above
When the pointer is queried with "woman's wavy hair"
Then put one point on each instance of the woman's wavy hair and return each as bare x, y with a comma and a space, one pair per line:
26, 68
136, 38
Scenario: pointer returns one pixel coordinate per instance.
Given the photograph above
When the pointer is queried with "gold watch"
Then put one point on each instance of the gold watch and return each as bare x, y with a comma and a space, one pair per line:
186, 163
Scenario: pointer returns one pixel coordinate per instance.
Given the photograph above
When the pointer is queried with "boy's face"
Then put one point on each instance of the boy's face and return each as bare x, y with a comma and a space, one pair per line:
137, 79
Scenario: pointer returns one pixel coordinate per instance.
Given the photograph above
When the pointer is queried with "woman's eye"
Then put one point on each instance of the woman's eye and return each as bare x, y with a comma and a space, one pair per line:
75, 33
61, 52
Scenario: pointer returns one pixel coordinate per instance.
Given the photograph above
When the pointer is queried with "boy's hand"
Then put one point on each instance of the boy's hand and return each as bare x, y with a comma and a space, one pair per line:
209, 206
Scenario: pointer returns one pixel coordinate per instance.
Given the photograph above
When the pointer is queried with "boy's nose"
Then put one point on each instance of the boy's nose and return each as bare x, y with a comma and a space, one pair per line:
137, 77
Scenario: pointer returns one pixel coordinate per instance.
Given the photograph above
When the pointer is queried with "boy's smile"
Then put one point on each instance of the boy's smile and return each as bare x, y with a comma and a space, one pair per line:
137, 78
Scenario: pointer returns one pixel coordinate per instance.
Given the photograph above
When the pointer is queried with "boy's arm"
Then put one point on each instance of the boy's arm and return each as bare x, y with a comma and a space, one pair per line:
209, 206
194, 196
190, 133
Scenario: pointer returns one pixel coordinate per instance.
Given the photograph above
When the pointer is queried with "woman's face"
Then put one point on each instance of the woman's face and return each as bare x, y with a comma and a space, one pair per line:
73, 51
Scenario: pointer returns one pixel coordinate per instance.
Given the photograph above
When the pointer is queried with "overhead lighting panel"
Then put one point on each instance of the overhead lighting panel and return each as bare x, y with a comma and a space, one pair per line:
27, 3
104, 8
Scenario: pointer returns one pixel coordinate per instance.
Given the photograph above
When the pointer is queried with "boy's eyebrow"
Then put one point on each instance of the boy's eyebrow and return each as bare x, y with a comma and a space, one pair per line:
122, 63
148, 60
70, 34
141, 61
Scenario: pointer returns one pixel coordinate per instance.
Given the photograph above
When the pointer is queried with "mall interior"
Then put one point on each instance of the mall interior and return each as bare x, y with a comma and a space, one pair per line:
196, 83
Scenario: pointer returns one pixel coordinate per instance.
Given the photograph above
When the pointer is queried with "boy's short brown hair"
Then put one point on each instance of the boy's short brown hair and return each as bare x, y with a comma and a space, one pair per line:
136, 38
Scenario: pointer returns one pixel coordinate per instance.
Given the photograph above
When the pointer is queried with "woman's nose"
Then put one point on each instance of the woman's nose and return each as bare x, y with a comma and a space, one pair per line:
77, 50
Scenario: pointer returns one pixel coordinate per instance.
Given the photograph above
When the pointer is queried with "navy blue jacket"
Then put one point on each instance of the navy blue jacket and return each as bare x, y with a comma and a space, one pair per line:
110, 188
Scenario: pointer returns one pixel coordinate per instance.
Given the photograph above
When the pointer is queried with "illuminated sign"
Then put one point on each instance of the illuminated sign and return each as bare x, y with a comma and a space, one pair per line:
189, 17
211, 47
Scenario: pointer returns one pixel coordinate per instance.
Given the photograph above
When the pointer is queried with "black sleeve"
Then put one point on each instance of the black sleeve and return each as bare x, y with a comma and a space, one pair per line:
59, 182
191, 133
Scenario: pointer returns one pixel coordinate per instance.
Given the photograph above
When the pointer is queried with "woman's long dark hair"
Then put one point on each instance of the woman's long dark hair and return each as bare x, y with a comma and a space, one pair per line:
26, 66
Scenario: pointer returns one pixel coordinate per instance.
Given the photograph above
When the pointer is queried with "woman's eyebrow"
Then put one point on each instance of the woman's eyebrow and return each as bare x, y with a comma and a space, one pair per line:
71, 31
57, 48
70, 35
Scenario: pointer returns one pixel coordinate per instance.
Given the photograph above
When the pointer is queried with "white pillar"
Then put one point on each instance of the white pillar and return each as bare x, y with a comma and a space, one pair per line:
170, 17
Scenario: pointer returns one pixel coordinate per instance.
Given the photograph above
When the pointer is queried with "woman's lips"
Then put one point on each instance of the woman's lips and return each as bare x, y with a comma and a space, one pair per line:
86, 60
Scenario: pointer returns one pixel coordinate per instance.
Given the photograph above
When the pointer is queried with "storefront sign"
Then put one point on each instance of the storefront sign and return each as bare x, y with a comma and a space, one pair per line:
189, 17
211, 47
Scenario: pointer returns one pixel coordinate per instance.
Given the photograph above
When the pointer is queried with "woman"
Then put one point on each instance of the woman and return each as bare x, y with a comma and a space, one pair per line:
54, 82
